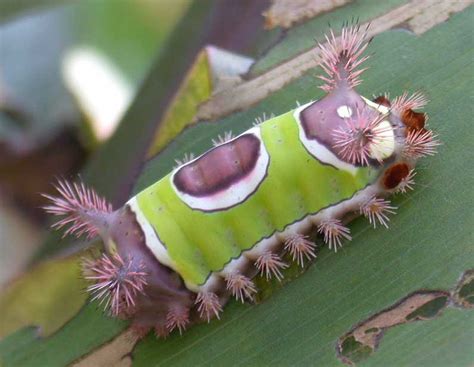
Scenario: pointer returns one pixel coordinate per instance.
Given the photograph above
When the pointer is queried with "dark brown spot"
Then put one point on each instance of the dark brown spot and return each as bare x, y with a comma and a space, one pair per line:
219, 168
395, 174
382, 101
413, 120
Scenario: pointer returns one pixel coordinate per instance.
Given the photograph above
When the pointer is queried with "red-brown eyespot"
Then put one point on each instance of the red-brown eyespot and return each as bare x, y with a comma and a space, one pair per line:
382, 101
413, 120
395, 174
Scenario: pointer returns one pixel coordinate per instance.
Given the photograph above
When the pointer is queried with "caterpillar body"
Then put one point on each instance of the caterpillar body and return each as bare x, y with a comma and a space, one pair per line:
175, 252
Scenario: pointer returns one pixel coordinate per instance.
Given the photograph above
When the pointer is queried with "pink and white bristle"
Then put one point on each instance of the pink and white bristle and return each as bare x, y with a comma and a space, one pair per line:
116, 282
82, 208
341, 56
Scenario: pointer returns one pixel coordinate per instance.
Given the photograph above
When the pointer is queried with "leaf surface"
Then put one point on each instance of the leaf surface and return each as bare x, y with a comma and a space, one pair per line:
47, 296
428, 245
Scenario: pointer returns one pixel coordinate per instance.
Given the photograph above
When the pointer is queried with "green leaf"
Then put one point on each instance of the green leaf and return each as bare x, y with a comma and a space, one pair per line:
112, 171
211, 68
82, 334
297, 40
428, 245
47, 297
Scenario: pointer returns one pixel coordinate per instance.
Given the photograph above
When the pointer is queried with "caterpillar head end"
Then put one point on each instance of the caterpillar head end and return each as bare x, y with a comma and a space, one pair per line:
347, 129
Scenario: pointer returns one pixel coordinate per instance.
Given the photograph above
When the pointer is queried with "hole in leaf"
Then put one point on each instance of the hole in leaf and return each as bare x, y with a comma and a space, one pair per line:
467, 292
355, 351
428, 310
464, 292
363, 340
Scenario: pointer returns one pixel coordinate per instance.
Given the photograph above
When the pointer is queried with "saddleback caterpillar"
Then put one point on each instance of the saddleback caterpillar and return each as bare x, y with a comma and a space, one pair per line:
175, 252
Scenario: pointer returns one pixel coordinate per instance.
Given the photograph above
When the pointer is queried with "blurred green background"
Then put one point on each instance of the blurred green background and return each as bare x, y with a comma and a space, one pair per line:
40, 112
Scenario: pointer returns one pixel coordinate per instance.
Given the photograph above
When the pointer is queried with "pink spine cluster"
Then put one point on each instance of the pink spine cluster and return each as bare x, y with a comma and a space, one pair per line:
420, 143
341, 56
355, 139
80, 206
116, 282
406, 101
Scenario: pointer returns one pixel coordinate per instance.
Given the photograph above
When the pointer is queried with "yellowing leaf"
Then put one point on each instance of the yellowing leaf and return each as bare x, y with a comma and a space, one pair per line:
47, 297
212, 69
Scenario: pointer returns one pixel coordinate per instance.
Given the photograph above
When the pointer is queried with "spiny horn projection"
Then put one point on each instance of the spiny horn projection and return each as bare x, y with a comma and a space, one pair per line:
341, 56
420, 143
240, 286
405, 107
406, 101
406, 183
84, 211
177, 318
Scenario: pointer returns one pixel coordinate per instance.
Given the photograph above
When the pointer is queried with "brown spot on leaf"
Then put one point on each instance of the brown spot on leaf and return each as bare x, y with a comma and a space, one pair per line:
284, 13
115, 353
395, 174
362, 341
221, 167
